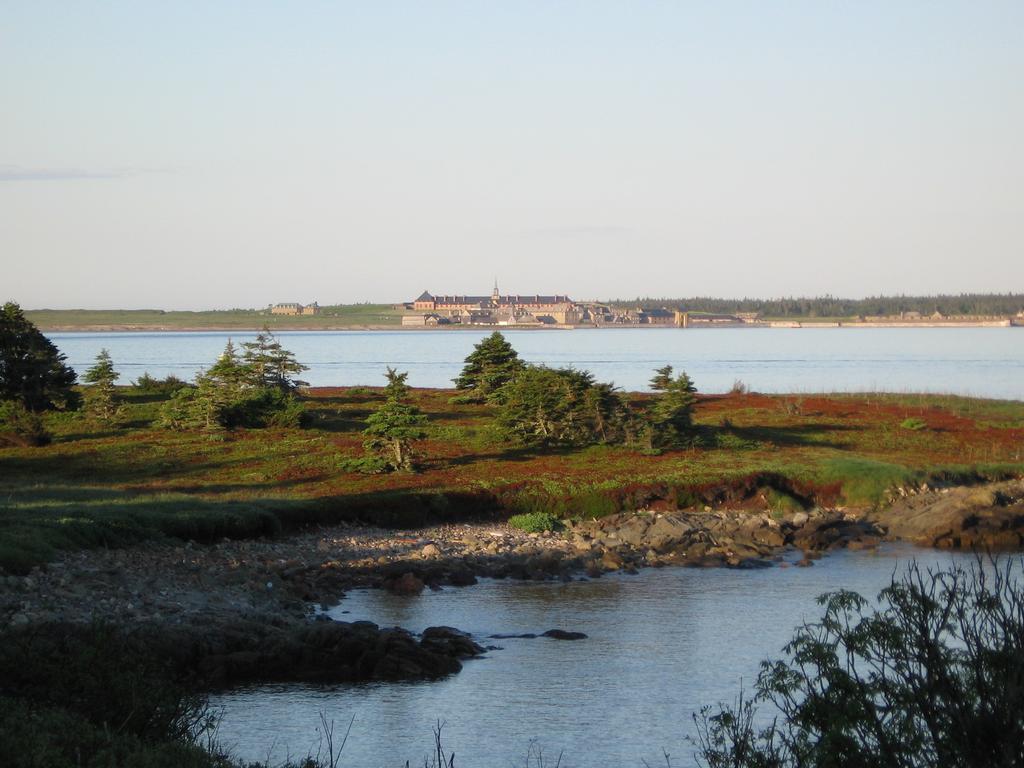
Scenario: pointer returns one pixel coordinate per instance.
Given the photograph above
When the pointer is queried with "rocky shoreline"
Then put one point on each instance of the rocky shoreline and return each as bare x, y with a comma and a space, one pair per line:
244, 610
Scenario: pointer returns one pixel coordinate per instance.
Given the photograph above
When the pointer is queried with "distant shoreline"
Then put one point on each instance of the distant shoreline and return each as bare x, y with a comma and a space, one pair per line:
786, 324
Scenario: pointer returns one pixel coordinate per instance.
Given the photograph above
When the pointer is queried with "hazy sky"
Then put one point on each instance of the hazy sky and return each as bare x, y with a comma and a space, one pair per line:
214, 154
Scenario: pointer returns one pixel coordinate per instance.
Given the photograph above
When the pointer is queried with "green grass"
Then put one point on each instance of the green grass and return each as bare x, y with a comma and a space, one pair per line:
535, 522
111, 486
333, 316
913, 424
864, 480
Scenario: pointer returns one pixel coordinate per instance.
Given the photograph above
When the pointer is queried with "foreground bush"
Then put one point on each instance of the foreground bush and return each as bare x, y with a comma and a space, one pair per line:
932, 677
94, 697
20, 426
150, 385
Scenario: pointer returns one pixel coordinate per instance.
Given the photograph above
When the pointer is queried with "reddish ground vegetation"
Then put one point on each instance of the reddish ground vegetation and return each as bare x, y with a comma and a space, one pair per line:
753, 451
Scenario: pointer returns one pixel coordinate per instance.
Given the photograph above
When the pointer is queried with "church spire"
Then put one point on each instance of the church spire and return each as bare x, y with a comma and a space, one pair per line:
495, 295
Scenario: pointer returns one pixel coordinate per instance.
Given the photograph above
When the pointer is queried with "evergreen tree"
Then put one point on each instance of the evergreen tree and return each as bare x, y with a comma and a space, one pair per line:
32, 370
231, 394
671, 415
270, 365
101, 401
610, 416
491, 365
560, 406
395, 425
229, 371
204, 405
662, 379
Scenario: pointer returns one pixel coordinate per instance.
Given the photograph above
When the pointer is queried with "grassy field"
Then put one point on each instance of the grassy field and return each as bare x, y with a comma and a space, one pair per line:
109, 487
341, 315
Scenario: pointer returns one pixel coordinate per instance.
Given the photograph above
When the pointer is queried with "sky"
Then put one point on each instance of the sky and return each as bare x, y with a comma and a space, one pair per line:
193, 155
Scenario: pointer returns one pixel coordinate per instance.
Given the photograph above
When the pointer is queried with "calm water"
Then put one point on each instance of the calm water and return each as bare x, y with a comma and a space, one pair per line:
985, 362
661, 644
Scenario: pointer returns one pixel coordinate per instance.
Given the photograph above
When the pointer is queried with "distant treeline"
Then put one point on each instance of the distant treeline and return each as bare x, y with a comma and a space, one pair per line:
830, 306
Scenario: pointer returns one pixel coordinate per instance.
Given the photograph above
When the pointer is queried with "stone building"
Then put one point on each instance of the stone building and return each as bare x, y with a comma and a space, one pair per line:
507, 309
291, 308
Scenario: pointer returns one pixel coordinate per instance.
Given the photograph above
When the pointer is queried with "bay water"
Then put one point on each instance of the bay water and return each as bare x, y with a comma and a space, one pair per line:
983, 362
660, 645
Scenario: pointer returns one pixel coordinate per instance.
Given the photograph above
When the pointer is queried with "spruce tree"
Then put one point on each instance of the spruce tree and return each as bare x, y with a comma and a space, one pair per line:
271, 365
662, 379
101, 401
229, 372
560, 406
32, 370
234, 393
491, 365
671, 414
204, 405
395, 425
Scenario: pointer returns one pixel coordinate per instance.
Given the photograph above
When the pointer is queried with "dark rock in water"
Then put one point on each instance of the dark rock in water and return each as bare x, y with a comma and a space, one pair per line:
556, 634
450, 642
220, 651
561, 634
462, 577
406, 584
750, 563
837, 532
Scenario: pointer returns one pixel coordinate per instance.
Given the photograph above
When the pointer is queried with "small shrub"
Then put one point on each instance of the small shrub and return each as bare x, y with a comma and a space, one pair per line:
21, 427
914, 425
150, 385
292, 415
729, 441
792, 406
739, 388
263, 407
212, 408
367, 465
535, 522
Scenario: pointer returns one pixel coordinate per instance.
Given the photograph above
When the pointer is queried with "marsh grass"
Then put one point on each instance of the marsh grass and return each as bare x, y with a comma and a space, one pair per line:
112, 486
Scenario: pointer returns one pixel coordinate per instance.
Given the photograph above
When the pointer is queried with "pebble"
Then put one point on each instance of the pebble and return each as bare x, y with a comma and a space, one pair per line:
154, 582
